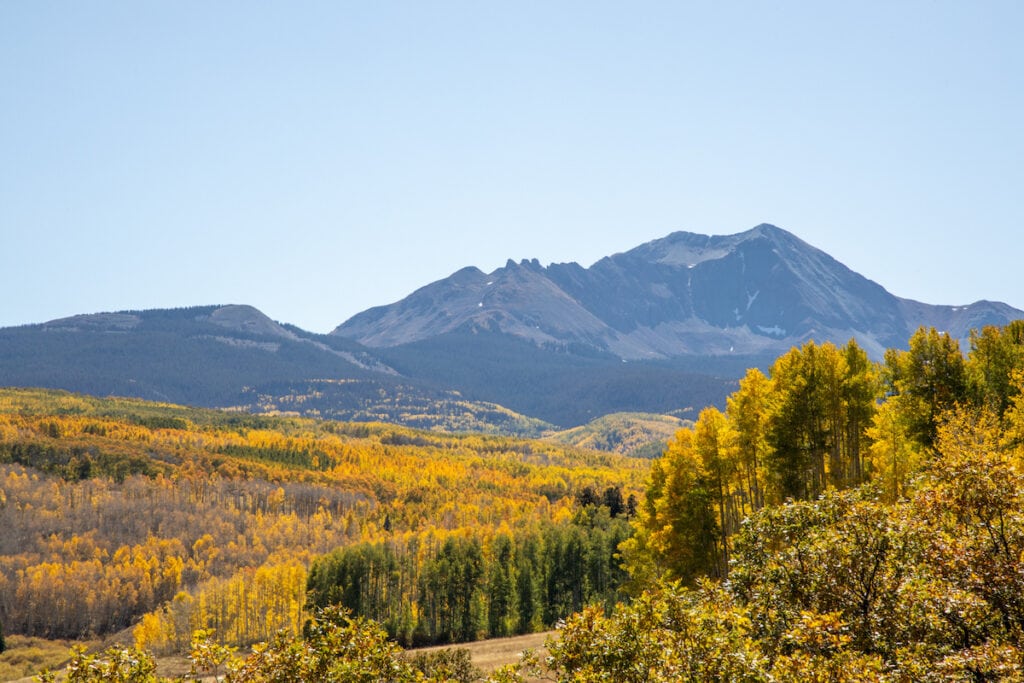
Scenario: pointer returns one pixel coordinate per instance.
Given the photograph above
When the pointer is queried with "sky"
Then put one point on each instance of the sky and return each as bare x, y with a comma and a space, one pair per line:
314, 159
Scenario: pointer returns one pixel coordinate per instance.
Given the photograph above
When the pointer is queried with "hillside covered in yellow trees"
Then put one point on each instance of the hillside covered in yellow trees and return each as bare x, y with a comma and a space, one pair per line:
841, 520
122, 513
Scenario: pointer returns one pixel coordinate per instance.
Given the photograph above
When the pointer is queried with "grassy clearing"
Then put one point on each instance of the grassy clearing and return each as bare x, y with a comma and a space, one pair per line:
25, 657
488, 655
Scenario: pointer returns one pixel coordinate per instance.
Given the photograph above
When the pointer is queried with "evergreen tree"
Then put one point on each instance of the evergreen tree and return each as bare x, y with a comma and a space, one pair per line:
529, 605
501, 588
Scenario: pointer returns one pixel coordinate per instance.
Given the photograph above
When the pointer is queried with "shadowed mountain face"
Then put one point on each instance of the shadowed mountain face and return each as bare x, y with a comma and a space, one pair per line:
756, 293
666, 327
236, 357
201, 356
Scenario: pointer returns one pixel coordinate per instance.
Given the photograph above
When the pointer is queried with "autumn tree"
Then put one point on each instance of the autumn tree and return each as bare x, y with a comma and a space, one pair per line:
860, 390
677, 527
712, 442
1013, 418
334, 647
894, 456
931, 378
114, 665
802, 425
996, 354
974, 495
748, 409
667, 634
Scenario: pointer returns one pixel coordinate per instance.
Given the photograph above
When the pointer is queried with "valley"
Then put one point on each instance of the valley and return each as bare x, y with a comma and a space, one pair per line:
122, 513
199, 481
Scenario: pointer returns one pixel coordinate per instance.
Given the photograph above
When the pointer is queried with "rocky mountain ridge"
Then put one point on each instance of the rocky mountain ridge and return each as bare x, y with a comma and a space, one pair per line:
757, 292
664, 328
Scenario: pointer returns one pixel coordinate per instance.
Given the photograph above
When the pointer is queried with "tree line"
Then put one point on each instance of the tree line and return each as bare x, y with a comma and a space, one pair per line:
425, 590
823, 418
869, 520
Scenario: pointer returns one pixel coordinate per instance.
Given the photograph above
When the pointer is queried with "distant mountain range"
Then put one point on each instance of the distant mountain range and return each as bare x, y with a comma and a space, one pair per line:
235, 357
665, 328
759, 292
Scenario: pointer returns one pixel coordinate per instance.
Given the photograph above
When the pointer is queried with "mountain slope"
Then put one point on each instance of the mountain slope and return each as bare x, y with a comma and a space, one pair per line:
200, 355
758, 292
235, 356
566, 385
634, 434
666, 328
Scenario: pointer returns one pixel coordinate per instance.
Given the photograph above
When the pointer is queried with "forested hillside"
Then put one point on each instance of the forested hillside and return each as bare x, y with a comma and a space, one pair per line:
865, 523
840, 520
236, 357
639, 435
122, 512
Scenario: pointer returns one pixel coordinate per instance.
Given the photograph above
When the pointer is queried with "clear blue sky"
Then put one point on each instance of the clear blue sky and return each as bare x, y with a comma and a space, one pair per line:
314, 159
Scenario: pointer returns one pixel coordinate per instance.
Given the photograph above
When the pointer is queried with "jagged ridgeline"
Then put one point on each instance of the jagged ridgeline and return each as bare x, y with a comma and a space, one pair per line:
667, 327
123, 513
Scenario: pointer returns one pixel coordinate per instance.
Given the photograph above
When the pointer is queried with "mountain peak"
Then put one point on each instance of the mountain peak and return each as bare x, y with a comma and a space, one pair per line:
767, 229
755, 292
776, 235
688, 249
243, 318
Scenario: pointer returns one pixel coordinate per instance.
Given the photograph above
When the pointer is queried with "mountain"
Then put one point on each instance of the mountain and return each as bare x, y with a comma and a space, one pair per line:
756, 293
201, 355
235, 356
665, 328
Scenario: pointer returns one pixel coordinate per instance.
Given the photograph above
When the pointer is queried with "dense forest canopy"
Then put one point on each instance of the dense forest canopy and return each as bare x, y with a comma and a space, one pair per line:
838, 521
823, 419
123, 513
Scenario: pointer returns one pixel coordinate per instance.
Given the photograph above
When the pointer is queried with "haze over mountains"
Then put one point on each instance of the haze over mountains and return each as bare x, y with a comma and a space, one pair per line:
666, 327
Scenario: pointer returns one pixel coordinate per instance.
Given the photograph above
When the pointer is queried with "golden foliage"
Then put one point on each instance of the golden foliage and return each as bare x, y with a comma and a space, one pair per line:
112, 507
